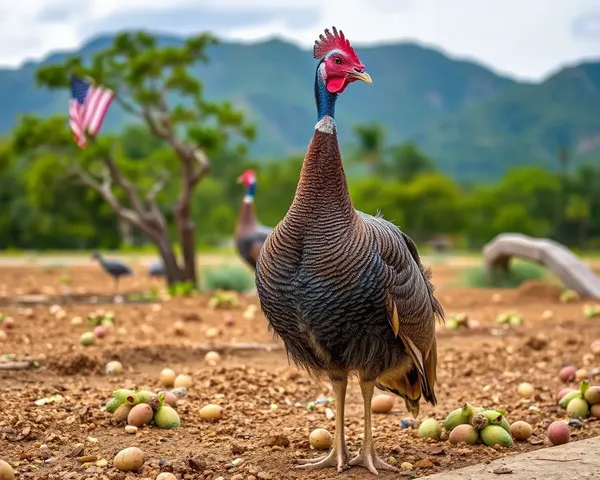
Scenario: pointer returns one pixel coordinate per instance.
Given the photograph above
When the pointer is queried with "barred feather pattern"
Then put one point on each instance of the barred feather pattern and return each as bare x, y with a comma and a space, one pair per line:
325, 273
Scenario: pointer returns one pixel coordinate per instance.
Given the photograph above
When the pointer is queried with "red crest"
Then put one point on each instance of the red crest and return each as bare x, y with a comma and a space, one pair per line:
333, 41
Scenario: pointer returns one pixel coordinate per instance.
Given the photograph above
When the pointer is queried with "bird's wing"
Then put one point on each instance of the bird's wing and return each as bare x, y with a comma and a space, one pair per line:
411, 306
251, 244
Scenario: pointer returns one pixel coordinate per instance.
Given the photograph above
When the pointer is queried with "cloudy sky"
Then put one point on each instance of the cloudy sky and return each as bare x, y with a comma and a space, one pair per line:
526, 38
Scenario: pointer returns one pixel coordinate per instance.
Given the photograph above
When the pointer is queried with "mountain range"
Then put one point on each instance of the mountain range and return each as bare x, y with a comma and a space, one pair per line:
474, 122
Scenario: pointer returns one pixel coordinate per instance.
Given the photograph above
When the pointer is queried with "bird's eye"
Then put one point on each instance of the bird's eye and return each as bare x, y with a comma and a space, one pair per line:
337, 60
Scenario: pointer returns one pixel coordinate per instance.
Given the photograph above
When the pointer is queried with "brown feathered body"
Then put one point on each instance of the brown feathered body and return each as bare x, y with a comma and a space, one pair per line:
249, 235
346, 290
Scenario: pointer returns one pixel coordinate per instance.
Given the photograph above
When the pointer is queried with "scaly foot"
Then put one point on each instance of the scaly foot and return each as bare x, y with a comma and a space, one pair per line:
368, 458
335, 458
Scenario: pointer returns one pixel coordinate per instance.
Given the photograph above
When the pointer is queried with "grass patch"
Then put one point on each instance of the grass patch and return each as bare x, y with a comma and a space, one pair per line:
227, 277
519, 272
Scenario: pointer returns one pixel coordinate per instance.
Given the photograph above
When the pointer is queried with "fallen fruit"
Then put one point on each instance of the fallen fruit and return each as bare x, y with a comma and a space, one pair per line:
595, 411
100, 331
140, 415
166, 476
563, 392
581, 374
496, 418
558, 433
113, 368
211, 412
567, 374
170, 399
525, 390
166, 417
592, 395
121, 413
212, 357
183, 380
6, 471
564, 401
496, 435
382, 403
463, 433
521, 430
129, 459
320, 439
578, 408
430, 428
459, 416
167, 377
87, 338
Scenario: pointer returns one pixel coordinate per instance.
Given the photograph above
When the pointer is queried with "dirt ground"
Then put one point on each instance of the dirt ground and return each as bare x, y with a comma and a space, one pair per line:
74, 439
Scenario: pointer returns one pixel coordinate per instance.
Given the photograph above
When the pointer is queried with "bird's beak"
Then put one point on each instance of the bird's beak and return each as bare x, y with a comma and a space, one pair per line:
362, 76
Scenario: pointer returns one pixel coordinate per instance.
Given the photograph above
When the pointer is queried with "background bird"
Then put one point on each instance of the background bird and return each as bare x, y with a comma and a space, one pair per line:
249, 233
347, 291
114, 268
156, 269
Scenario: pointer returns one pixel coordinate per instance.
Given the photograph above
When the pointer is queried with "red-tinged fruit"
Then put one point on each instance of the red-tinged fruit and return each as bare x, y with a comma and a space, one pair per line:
558, 433
464, 433
100, 331
140, 415
567, 374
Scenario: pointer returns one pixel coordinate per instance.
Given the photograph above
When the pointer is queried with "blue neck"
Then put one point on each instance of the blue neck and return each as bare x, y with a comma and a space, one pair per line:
325, 100
251, 190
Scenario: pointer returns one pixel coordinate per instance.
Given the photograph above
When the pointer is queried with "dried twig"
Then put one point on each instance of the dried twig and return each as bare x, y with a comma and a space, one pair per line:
21, 364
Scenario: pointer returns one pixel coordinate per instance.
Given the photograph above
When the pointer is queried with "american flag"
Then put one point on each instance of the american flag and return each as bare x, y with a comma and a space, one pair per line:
87, 108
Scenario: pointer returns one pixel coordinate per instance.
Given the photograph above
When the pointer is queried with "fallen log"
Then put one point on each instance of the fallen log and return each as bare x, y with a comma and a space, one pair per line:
561, 261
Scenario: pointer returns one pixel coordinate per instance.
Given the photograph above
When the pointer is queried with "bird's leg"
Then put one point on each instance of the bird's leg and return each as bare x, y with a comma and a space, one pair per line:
339, 455
117, 284
367, 456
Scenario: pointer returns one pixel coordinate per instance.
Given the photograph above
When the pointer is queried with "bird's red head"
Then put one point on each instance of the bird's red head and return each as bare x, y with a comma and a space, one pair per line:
340, 64
247, 178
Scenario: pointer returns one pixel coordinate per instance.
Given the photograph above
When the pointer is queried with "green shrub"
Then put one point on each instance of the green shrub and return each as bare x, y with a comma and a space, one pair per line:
519, 272
228, 277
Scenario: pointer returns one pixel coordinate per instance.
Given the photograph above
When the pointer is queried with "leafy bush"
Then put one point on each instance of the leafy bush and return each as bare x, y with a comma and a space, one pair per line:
519, 272
228, 277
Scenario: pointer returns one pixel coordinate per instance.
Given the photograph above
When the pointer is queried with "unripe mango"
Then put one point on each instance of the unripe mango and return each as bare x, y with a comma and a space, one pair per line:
463, 433
460, 416
564, 401
496, 435
496, 418
578, 408
592, 395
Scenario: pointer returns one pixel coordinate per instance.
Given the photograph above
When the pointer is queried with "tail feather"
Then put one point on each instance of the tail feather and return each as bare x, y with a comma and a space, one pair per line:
410, 384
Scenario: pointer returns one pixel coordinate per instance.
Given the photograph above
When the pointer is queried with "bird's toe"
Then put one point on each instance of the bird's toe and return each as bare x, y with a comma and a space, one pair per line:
371, 462
334, 458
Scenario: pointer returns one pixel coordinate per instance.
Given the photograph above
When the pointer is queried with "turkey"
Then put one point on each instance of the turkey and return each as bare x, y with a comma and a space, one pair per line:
114, 268
344, 290
249, 234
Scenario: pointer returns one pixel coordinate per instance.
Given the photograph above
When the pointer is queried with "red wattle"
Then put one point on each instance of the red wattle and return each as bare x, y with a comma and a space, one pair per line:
335, 84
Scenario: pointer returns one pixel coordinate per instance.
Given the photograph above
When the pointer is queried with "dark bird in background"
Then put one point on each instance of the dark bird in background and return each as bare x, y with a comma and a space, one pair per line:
114, 268
156, 269
346, 291
249, 233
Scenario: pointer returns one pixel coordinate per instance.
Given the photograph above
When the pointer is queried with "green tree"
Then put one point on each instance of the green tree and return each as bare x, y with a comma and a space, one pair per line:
370, 140
153, 84
406, 162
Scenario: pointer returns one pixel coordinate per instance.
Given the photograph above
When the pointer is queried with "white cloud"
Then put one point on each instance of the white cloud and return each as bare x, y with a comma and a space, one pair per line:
527, 38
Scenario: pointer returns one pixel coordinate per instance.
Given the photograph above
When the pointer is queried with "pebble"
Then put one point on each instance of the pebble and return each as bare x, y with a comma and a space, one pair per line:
406, 466
103, 462
237, 476
131, 429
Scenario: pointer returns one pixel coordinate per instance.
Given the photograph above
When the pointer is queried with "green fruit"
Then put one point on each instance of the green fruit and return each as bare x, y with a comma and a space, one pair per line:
87, 338
503, 318
578, 408
460, 416
463, 433
112, 405
430, 428
144, 396
451, 324
592, 395
166, 417
565, 400
496, 418
496, 435
516, 320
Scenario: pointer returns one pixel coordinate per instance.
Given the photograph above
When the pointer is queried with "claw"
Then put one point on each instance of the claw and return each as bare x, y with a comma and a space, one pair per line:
334, 458
371, 462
